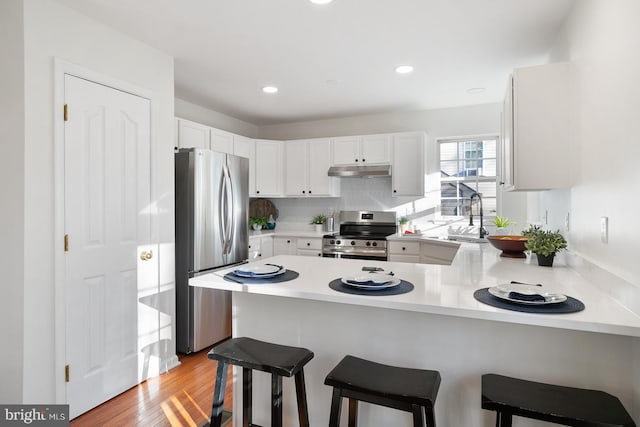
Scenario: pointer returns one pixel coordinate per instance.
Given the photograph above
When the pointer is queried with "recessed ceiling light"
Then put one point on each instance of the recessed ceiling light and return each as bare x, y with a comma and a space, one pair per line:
476, 90
404, 69
320, 1
270, 89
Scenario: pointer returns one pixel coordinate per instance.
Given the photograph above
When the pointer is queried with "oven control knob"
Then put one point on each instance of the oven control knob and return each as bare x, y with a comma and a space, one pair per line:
368, 243
375, 243
331, 242
353, 242
338, 242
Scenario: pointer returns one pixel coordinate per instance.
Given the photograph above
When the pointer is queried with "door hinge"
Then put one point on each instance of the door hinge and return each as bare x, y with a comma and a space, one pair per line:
66, 113
66, 243
66, 373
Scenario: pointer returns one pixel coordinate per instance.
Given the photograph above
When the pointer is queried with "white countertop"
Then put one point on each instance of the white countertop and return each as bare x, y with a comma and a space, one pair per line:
448, 290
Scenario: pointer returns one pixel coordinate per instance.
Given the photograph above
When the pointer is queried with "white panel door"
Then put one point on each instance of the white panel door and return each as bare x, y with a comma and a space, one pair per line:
108, 223
246, 147
376, 149
268, 168
407, 171
346, 150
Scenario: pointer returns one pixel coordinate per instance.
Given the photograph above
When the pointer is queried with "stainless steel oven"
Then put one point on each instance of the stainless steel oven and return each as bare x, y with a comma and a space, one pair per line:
363, 235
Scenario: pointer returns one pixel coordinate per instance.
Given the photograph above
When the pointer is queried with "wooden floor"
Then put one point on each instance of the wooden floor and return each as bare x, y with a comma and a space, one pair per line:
181, 397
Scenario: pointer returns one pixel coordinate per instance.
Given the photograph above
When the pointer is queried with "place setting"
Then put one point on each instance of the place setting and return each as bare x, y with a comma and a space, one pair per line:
255, 273
371, 281
528, 298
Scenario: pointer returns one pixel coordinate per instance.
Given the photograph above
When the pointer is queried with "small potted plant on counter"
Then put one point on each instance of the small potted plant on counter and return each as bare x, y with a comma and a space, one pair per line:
403, 221
258, 222
545, 244
503, 225
317, 221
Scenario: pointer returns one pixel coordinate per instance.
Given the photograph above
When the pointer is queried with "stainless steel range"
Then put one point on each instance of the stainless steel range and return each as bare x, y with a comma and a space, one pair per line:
363, 235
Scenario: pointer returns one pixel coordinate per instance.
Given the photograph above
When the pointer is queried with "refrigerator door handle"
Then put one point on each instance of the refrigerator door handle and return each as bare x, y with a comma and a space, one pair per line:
226, 210
231, 221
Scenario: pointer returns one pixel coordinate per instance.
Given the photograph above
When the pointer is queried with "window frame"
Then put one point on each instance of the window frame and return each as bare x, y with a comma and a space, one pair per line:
462, 162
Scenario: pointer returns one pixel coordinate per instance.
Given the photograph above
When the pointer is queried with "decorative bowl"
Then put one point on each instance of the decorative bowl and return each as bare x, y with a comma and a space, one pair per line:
511, 246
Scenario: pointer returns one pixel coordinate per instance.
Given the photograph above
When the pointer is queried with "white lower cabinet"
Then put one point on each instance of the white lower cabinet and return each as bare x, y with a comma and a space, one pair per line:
422, 252
404, 251
285, 246
260, 247
309, 246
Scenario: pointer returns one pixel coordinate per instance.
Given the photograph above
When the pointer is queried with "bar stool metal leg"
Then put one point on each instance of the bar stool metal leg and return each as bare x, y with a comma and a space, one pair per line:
418, 416
276, 400
301, 398
336, 405
247, 382
503, 419
218, 395
353, 412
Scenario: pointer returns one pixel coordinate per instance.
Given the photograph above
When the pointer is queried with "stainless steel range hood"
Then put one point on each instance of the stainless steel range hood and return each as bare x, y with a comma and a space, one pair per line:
353, 170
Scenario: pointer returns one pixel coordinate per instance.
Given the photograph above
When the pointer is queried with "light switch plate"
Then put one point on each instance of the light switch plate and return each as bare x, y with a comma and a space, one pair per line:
604, 229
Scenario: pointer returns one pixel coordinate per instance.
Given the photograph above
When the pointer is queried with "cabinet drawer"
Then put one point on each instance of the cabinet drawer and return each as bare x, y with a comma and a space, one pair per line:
404, 248
415, 259
309, 252
310, 244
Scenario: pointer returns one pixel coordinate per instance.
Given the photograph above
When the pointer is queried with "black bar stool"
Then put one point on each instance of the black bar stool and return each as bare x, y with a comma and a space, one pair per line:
278, 360
411, 390
552, 403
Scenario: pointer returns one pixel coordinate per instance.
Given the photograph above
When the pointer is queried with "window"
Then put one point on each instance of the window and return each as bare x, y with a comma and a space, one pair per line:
467, 166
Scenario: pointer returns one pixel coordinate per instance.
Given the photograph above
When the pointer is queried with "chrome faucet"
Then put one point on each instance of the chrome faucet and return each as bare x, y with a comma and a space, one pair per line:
483, 232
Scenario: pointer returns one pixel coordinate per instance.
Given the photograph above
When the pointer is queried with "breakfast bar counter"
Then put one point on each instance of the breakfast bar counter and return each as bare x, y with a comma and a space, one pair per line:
439, 325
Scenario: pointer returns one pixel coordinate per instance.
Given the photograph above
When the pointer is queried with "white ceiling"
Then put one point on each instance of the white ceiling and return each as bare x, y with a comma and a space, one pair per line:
337, 60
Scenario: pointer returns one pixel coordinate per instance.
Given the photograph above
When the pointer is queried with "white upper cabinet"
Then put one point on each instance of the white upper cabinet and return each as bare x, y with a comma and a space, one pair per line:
192, 135
246, 147
361, 150
407, 170
306, 166
268, 168
221, 141
538, 129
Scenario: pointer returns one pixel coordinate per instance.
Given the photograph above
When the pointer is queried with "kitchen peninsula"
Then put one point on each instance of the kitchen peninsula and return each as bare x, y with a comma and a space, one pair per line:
440, 326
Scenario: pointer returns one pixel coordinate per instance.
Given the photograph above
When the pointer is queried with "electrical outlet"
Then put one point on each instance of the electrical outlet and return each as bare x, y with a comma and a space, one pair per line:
604, 229
546, 217
566, 221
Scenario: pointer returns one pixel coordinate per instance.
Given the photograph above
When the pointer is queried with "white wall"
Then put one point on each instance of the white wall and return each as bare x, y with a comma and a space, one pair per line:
601, 38
198, 114
12, 197
54, 31
375, 193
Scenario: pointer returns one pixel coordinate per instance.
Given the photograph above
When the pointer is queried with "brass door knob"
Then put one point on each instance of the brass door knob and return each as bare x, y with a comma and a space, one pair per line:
146, 256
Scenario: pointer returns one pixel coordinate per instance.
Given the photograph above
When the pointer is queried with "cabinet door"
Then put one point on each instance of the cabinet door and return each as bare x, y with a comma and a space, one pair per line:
221, 141
296, 169
346, 150
320, 183
268, 168
266, 247
408, 164
254, 248
192, 135
505, 160
376, 149
284, 246
245, 147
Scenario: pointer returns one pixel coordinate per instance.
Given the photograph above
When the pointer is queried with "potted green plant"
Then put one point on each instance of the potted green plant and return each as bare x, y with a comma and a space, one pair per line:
403, 221
317, 221
503, 225
258, 222
545, 244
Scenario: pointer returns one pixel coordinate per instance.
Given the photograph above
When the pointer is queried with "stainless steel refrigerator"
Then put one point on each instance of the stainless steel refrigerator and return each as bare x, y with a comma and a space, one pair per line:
212, 208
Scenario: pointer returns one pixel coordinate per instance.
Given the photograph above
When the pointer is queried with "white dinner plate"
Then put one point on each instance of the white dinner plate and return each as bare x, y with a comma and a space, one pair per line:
371, 283
503, 291
259, 270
